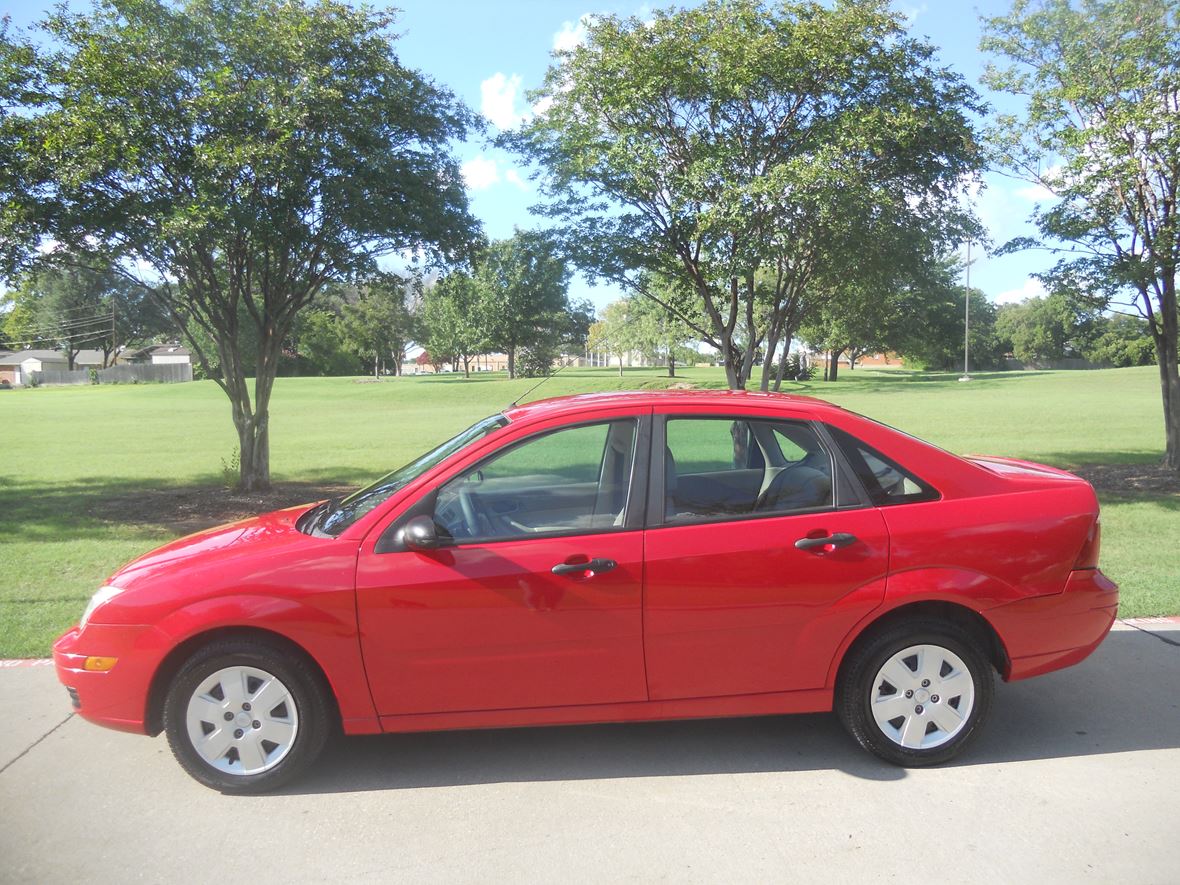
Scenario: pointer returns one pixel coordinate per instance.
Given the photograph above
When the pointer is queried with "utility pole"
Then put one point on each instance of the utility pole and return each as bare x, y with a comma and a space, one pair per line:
967, 319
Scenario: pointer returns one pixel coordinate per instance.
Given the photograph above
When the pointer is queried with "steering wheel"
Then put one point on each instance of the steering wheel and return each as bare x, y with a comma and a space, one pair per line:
470, 512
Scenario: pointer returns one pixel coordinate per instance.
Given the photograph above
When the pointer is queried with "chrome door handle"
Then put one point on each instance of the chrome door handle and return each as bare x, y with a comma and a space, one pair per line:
594, 565
840, 539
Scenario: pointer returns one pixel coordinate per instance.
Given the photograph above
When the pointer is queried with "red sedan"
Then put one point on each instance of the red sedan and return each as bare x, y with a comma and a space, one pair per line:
610, 557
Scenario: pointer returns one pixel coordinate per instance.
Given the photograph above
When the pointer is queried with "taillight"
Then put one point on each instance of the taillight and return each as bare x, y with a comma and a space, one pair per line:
1088, 558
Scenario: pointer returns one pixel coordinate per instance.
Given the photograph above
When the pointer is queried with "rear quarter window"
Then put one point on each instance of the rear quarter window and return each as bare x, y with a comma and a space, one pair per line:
885, 481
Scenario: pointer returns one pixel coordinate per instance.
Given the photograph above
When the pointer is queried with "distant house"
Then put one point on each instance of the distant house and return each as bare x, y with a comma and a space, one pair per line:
89, 359
158, 355
15, 367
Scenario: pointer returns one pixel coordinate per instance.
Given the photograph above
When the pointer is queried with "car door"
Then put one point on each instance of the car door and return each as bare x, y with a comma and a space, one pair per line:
759, 558
534, 598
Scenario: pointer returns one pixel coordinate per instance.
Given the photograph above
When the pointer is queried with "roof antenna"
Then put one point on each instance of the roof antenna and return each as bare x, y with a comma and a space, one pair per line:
569, 361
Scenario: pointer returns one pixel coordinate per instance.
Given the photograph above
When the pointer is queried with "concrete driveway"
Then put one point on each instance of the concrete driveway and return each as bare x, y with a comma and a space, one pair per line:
1076, 778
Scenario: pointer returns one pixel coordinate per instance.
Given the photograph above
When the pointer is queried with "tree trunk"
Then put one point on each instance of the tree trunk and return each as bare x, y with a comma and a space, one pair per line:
782, 366
1166, 347
620, 365
376, 366
671, 364
834, 368
511, 362
768, 363
252, 422
466, 367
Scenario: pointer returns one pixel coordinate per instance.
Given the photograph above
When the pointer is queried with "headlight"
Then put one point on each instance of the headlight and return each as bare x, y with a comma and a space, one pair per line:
104, 594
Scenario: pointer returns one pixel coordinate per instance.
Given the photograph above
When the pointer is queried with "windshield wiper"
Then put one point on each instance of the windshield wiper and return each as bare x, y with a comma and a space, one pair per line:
314, 518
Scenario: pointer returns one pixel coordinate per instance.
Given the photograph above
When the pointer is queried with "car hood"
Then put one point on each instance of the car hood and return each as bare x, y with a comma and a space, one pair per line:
268, 529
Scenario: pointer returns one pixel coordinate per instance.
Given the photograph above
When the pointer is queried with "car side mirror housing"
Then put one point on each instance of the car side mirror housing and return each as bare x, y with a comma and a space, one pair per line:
420, 533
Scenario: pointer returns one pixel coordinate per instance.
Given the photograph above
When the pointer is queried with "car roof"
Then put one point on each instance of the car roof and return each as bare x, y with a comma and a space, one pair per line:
722, 399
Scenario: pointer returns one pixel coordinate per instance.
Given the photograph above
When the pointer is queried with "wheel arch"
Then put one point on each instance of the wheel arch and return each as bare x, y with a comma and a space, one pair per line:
172, 662
972, 622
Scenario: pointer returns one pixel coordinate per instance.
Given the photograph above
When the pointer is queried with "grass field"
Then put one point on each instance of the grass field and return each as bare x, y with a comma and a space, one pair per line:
86, 471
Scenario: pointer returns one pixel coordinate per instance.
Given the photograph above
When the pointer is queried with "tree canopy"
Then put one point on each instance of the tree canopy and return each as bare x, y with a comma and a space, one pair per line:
524, 285
1102, 134
246, 151
746, 149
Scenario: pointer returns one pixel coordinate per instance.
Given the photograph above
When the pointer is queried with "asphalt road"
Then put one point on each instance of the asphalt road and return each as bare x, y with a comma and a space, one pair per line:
1076, 778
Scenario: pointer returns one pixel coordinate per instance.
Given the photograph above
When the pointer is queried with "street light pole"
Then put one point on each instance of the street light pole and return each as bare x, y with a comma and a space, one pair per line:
967, 318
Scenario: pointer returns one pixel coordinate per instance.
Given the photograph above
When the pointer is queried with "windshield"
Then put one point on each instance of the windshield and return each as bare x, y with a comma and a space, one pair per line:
336, 516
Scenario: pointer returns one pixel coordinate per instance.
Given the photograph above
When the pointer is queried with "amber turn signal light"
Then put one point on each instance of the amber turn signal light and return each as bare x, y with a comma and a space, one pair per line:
100, 664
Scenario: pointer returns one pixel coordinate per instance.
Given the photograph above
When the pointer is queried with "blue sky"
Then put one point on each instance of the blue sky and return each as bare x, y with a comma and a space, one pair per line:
491, 53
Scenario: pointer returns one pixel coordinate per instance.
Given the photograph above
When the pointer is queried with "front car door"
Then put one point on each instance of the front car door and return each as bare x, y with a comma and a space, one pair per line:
534, 600
733, 605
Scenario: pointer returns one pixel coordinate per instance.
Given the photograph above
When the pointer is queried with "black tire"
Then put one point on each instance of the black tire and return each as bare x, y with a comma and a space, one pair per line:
856, 687
314, 714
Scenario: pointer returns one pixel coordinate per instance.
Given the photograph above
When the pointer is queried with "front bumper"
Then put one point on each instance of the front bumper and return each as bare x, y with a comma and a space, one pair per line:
1047, 633
116, 698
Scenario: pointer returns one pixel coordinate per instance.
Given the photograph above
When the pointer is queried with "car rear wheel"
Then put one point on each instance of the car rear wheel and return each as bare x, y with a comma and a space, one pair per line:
246, 716
916, 693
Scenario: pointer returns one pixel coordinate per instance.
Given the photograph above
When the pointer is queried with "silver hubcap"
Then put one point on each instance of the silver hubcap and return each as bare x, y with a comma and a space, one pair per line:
922, 696
242, 720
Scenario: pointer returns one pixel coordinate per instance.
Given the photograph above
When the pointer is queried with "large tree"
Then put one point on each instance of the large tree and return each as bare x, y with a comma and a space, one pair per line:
524, 283
745, 149
453, 324
379, 321
1101, 133
247, 151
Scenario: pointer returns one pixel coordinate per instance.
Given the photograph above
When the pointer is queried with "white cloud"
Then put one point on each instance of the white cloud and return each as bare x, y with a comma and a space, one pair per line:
911, 13
1032, 288
513, 177
572, 34
497, 95
480, 173
1036, 192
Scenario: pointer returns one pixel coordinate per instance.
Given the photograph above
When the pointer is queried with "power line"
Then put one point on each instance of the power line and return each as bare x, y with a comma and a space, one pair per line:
50, 339
71, 326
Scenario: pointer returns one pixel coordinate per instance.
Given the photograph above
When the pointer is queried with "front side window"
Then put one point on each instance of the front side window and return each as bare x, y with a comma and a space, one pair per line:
568, 481
336, 516
725, 467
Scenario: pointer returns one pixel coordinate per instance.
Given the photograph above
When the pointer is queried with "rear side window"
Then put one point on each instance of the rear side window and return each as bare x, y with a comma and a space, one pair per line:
886, 481
725, 467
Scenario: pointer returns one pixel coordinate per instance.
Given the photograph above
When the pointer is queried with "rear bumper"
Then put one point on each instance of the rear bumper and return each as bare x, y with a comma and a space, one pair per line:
1046, 633
116, 698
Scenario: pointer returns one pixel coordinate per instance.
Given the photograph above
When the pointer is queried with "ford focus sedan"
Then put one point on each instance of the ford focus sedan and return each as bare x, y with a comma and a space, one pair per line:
608, 557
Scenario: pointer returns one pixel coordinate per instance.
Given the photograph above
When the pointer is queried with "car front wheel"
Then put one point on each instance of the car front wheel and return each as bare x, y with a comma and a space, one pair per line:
916, 693
246, 716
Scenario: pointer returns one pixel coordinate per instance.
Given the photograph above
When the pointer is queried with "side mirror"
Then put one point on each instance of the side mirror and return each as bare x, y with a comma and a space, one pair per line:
420, 533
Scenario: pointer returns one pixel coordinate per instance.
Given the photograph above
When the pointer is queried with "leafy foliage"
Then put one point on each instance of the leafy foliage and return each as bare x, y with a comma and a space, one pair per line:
378, 323
74, 307
736, 149
248, 151
1102, 134
453, 321
523, 284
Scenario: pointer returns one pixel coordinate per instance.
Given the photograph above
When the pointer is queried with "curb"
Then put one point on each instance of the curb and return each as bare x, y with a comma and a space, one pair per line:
1169, 621
10, 663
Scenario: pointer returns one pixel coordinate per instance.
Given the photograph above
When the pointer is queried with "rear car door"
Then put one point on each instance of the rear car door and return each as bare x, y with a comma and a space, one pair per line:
534, 600
760, 555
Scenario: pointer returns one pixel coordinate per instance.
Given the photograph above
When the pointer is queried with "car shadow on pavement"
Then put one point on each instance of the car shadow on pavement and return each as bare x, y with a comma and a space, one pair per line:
1122, 699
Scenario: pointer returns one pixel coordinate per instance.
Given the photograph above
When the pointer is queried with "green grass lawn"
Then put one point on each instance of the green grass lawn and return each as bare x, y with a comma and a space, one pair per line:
76, 460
